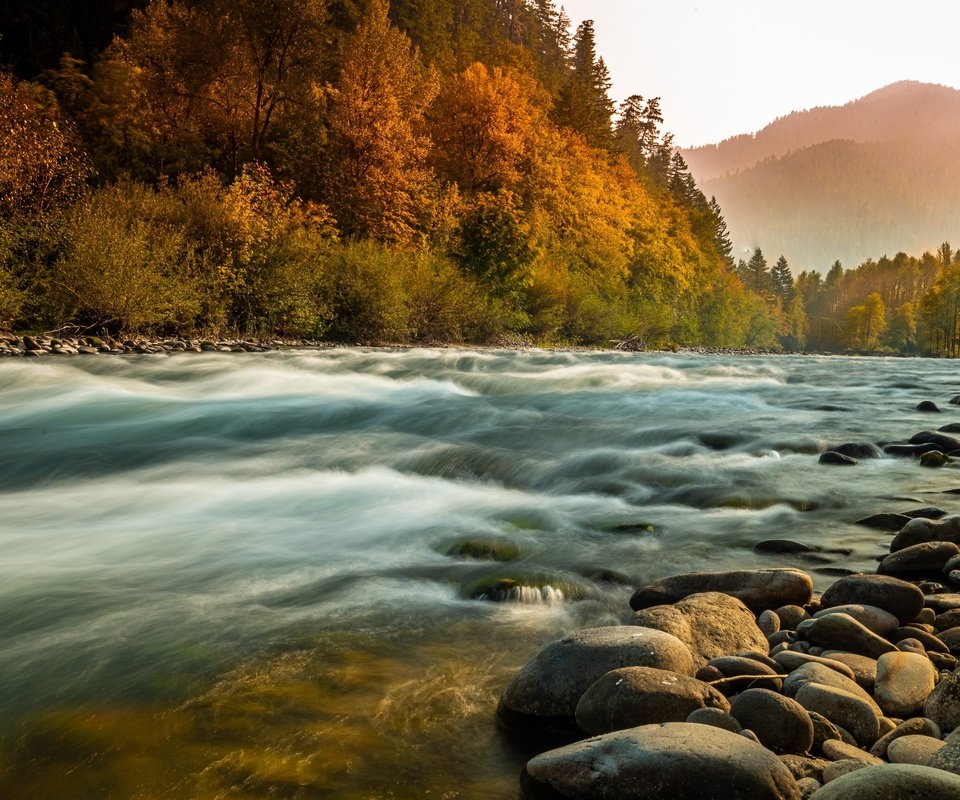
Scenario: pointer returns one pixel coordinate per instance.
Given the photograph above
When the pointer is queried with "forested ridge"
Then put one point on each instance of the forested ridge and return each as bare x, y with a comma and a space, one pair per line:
359, 171
877, 175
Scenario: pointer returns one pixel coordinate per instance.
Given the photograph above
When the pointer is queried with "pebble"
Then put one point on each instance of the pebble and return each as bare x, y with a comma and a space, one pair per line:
876, 619
714, 717
864, 668
843, 632
904, 680
918, 726
781, 724
919, 559
943, 704
902, 599
836, 750
913, 749
837, 769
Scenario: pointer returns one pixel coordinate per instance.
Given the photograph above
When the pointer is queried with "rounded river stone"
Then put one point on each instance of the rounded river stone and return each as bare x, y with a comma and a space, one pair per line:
892, 782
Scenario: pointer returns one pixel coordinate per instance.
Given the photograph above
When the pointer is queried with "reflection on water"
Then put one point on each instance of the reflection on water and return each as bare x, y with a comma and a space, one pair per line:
258, 575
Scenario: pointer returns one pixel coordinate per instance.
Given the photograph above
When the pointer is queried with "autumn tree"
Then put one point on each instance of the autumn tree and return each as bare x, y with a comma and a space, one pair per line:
379, 179
484, 127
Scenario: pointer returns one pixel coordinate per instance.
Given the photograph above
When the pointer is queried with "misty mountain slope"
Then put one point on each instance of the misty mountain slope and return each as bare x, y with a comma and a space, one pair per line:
875, 176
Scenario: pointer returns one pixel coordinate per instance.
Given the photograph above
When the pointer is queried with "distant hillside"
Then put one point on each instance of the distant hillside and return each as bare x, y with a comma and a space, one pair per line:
877, 175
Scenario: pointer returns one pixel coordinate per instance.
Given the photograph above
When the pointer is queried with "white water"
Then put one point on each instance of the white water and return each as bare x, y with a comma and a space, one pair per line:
167, 519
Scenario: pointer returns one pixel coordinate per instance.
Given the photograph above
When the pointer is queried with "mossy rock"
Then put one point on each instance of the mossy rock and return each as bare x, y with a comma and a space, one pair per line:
633, 527
534, 589
488, 549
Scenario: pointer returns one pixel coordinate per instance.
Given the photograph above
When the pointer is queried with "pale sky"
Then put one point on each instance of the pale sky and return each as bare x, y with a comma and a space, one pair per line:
724, 67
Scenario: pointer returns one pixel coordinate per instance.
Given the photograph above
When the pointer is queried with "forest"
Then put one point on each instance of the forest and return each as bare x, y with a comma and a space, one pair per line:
360, 171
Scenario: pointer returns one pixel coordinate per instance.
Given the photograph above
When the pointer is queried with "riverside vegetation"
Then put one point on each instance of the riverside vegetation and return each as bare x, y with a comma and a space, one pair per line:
373, 172
748, 684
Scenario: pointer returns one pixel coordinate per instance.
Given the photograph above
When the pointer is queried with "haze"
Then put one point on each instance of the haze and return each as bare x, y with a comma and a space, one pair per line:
732, 67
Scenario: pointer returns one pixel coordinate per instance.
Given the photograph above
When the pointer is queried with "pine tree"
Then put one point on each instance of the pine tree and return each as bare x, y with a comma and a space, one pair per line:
758, 274
584, 104
721, 236
782, 280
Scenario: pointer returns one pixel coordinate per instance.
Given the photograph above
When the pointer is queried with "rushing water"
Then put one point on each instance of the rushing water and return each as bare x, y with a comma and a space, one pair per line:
229, 576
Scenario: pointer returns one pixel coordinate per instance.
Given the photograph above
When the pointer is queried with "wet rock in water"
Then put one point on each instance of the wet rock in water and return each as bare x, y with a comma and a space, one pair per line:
781, 724
768, 622
818, 673
902, 599
858, 450
913, 749
547, 689
917, 726
838, 459
849, 711
842, 632
485, 549
904, 680
943, 704
836, 750
892, 782
948, 757
631, 696
934, 460
715, 718
884, 522
919, 559
709, 623
955, 400
784, 546
927, 406
945, 443
928, 512
876, 619
909, 450
759, 589
676, 760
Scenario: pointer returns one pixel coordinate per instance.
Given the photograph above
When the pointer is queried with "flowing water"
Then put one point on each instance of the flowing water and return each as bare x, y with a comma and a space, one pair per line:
243, 576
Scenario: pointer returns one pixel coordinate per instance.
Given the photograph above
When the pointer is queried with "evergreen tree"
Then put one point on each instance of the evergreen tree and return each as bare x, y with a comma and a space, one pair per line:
721, 235
584, 104
782, 280
758, 274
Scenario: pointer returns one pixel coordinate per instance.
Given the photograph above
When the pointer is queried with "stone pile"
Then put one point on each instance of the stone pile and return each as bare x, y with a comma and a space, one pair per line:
749, 685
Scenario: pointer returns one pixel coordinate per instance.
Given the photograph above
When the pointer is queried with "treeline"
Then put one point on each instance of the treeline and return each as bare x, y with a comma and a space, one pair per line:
418, 171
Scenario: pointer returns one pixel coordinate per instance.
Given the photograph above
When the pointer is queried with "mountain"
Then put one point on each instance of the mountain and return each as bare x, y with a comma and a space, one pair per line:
877, 175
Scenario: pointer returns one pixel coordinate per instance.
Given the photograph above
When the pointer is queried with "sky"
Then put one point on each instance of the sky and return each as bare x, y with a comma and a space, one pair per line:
724, 67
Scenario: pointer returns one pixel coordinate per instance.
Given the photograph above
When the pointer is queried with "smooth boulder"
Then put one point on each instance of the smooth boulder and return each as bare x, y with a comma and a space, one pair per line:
943, 703
677, 760
781, 724
904, 680
850, 712
549, 686
913, 749
842, 632
892, 782
759, 589
919, 559
902, 599
876, 619
632, 696
711, 624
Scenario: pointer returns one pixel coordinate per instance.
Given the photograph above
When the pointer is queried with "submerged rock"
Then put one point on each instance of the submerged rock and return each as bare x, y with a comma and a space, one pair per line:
677, 760
838, 459
884, 522
759, 589
927, 406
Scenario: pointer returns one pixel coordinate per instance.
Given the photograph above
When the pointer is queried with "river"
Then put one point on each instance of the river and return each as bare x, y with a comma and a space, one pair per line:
237, 576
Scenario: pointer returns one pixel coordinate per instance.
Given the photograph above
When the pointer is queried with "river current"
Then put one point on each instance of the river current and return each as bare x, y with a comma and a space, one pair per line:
244, 576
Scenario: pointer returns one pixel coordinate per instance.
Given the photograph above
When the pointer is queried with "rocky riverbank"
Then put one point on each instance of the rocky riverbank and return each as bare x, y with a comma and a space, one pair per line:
750, 684
43, 345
